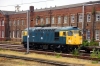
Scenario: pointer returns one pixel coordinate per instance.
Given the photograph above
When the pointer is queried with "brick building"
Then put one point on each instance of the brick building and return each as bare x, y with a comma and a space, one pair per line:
86, 16
11, 25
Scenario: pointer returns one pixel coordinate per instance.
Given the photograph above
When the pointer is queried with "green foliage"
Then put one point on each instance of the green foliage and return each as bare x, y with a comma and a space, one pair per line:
75, 52
95, 54
0, 48
94, 62
91, 43
85, 43
58, 55
21, 63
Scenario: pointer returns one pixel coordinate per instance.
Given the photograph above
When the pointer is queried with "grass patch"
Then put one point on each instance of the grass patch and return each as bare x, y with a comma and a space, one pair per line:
95, 62
56, 57
9, 42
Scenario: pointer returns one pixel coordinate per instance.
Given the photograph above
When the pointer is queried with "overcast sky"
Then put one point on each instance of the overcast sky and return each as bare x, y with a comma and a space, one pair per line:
10, 4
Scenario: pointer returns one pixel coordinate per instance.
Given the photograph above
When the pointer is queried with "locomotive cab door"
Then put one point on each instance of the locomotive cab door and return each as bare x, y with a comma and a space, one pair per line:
69, 37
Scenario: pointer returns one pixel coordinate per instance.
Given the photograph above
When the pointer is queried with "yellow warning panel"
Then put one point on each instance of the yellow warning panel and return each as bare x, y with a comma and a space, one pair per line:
24, 33
61, 33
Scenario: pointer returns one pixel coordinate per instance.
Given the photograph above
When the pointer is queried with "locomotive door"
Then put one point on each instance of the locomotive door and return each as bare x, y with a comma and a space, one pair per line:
56, 36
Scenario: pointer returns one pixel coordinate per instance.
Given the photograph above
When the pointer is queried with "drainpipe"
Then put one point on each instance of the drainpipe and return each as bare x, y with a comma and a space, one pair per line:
83, 20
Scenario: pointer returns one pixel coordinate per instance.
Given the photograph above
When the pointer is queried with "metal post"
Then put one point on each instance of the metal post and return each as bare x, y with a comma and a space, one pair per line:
27, 32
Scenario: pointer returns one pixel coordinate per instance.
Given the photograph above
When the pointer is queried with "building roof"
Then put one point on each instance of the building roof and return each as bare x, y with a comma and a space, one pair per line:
68, 6
53, 28
11, 12
6, 12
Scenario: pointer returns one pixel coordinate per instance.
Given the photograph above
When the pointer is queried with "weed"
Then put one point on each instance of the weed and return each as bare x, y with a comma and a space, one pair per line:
94, 62
58, 55
0, 48
91, 43
75, 52
93, 54
21, 63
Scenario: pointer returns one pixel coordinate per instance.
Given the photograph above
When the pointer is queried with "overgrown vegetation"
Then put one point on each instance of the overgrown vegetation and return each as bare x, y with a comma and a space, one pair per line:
75, 52
91, 43
85, 43
95, 54
58, 55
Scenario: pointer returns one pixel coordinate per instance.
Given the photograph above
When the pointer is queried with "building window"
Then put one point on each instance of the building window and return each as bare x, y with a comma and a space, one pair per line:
88, 34
13, 34
2, 34
17, 34
52, 20
2, 23
59, 19
22, 22
97, 34
80, 19
46, 20
9, 23
36, 21
14, 22
72, 18
41, 21
65, 19
10, 33
21, 34
18, 22
98, 17
88, 18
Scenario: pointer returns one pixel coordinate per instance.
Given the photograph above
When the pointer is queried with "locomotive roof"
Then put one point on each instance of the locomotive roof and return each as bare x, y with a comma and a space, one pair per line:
53, 28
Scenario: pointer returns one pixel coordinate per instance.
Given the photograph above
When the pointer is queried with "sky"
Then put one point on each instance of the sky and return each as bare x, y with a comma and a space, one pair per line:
9, 5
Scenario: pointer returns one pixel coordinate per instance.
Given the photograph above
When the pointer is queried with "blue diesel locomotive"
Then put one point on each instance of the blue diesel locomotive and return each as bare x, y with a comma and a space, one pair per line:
62, 38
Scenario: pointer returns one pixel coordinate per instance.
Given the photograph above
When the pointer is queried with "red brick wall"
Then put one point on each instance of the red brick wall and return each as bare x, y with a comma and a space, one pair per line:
68, 12
2, 28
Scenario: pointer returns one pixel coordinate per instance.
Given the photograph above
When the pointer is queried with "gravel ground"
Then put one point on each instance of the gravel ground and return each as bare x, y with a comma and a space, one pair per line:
48, 57
17, 62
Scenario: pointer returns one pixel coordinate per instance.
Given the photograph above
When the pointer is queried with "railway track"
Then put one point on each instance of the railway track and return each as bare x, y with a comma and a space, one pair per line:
56, 63
20, 48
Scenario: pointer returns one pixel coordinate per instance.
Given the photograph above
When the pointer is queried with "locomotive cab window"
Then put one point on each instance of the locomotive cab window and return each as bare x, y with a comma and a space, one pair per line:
80, 33
56, 36
64, 33
70, 33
